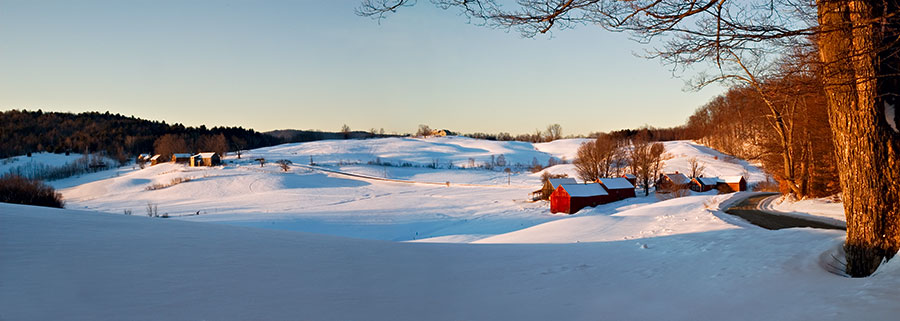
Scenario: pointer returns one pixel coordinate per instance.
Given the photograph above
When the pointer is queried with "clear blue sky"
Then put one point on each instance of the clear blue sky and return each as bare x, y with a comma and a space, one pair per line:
315, 65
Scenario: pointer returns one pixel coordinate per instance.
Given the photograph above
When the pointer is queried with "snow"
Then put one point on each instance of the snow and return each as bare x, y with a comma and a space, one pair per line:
416, 151
827, 208
716, 163
730, 179
477, 203
554, 182
562, 148
206, 155
48, 159
584, 190
616, 183
250, 242
77, 265
678, 178
709, 181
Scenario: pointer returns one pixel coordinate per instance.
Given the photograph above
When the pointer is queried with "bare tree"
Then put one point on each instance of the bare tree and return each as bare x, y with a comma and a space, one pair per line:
858, 54
598, 158
554, 132
696, 167
423, 131
346, 131
284, 164
641, 164
169, 144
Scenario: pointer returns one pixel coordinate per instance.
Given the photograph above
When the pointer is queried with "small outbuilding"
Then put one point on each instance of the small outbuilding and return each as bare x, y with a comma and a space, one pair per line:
671, 182
142, 158
154, 160
181, 158
631, 179
551, 184
729, 184
206, 159
619, 188
703, 184
571, 198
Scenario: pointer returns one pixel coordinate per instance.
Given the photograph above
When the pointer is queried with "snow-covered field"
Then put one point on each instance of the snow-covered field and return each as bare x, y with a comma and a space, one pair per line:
72, 265
325, 250
244, 193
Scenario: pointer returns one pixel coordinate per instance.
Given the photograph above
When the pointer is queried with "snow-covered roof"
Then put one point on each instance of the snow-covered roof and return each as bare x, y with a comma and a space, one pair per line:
555, 182
616, 183
584, 190
708, 180
144, 156
206, 155
181, 155
631, 176
155, 157
678, 178
731, 179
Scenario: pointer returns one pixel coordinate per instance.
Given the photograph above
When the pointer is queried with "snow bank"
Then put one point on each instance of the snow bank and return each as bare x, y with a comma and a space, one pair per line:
74, 265
818, 207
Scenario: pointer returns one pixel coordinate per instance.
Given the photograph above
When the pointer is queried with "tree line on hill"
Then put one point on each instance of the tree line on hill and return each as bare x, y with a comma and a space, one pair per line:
780, 121
118, 137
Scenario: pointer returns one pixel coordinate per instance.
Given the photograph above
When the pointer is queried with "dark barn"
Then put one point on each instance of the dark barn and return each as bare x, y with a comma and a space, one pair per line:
619, 188
703, 184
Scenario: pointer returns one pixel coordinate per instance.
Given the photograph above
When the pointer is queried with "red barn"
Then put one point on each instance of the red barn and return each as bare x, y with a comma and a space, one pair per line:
672, 182
703, 184
728, 184
631, 179
619, 188
570, 198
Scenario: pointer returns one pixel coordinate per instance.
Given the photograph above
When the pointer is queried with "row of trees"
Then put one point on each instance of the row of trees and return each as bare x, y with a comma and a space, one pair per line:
553, 132
117, 136
782, 124
169, 144
611, 156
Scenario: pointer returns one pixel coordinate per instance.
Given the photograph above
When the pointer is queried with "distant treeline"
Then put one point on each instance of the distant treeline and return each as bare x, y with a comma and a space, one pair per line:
117, 136
299, 136
653, 133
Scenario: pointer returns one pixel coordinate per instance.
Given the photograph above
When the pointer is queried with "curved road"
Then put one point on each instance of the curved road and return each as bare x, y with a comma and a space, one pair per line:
749, 210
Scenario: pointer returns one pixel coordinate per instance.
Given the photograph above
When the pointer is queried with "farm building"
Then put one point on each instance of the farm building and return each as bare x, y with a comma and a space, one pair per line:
703, 184
154, 160
631, 179
206, 159
728, 184
619, 188
181, 158
671, 182
551, 185
143, 158
570, 198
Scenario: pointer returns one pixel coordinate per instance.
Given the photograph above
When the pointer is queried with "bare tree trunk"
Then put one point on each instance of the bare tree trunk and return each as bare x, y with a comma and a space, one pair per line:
866, 146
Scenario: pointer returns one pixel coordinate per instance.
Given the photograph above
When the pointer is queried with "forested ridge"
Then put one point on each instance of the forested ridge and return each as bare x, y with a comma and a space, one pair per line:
118, 136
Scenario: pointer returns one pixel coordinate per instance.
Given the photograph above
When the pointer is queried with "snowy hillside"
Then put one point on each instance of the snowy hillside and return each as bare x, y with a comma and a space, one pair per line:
303, 199
416, 151
72, 265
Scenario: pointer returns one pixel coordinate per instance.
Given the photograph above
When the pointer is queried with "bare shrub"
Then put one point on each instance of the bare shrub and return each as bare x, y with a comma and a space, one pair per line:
173, 182
152, 209
284, 164
20, 190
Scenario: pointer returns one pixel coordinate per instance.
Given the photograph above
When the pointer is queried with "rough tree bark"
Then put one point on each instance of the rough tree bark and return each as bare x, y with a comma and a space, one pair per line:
865, 144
